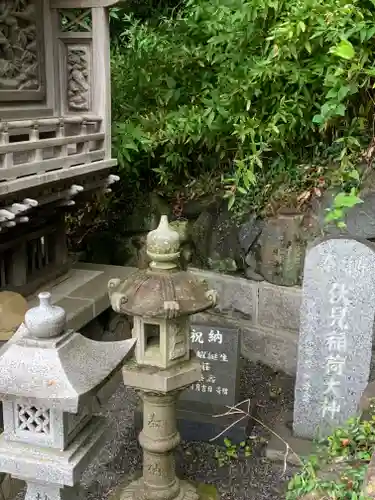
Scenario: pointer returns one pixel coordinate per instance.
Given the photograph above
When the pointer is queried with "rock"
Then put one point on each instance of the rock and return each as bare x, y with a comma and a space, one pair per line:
182, 228
282, 249
224, 247
367, 401
252, 275
119, 326
192, 209
201, 234
226, 265
159, 206
360, 219
249, 232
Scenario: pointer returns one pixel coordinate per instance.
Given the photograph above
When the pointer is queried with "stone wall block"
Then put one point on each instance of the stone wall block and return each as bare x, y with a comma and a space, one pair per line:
279, 307
274, 348
237, 297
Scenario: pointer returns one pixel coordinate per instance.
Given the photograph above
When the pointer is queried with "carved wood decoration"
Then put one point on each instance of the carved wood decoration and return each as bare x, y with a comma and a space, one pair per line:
21, 51
76, 38
78, 84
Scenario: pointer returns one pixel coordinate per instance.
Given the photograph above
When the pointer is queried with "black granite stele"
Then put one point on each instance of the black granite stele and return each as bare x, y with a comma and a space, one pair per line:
218, 348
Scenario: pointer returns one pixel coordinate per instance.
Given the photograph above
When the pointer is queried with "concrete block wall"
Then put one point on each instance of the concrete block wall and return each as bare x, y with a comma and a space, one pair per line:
267, 316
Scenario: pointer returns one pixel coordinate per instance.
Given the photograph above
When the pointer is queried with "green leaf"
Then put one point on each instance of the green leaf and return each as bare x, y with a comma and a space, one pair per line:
344, 50
345, 200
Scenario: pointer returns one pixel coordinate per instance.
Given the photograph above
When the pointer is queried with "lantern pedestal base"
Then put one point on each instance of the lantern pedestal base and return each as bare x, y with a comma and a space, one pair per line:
136, 491
150, 378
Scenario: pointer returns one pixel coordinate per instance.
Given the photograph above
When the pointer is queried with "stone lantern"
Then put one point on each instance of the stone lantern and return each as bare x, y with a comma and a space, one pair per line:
49, 377
161, 299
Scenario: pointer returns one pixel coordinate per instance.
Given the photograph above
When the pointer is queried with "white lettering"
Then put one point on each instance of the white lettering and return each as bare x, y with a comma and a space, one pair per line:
196, 337
331, 407
215, 336
338, 316
336, 343
332, 388
335, 365
224, 357
338, 294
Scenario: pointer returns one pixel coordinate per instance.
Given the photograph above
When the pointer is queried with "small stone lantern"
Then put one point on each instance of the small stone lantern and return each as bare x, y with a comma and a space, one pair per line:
49, 377
161, 299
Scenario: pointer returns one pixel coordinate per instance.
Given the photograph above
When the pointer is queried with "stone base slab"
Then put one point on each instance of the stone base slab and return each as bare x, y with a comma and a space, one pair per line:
277, 450
149, 378
135, 491
56, 467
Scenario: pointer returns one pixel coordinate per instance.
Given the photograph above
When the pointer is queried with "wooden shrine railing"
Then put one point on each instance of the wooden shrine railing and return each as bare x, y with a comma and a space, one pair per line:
33, 152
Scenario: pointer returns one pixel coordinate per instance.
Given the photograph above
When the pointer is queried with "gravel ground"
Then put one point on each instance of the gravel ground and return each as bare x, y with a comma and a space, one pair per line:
254, 478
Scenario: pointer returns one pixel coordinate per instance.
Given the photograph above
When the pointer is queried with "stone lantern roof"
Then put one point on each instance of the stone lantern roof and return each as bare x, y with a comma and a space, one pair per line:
163, 290
54, 367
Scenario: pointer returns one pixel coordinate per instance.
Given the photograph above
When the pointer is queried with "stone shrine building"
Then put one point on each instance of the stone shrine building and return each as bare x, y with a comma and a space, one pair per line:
55, 140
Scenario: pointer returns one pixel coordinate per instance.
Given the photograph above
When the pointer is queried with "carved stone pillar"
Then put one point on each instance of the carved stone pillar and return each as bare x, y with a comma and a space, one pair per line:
158, 439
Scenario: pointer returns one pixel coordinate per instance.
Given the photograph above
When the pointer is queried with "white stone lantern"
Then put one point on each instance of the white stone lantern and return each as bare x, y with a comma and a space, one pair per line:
49, 377
161, 300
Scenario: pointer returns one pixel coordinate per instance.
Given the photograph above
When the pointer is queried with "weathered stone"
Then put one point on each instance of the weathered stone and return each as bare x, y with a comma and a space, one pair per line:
282, 249
48, 379
161, 300
224, 247
335, 344
249, 232
119, 327
367, 401
274, 348
226, 265
236, 296
252, 275
279, 307
182, 228
201, 234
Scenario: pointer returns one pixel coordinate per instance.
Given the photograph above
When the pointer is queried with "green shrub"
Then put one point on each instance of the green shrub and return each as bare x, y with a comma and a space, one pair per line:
260, 96
346, 453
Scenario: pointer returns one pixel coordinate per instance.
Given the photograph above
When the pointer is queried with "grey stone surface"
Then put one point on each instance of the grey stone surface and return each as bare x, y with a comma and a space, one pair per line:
49, 378
335, 343
279, 307
249, 232
360, 219
275, 348
237, 297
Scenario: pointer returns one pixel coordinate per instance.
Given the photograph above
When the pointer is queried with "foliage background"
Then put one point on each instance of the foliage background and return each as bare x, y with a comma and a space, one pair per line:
262, 97
267, 102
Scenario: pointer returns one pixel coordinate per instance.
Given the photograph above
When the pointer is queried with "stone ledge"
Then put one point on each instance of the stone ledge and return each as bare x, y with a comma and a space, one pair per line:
83, 292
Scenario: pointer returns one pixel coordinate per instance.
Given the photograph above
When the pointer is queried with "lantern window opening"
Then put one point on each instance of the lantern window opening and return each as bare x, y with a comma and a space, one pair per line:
152, 337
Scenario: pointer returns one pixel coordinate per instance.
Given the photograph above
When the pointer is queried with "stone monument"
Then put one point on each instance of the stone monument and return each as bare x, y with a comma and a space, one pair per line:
48, 380
161, 299
335, 343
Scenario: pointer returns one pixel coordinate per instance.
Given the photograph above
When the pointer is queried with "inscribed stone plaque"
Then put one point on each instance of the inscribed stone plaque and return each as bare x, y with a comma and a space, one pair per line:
336, 328
218, 350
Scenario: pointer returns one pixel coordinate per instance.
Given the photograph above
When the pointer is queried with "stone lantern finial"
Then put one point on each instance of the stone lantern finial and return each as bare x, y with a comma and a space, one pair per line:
45, 320
163, 246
